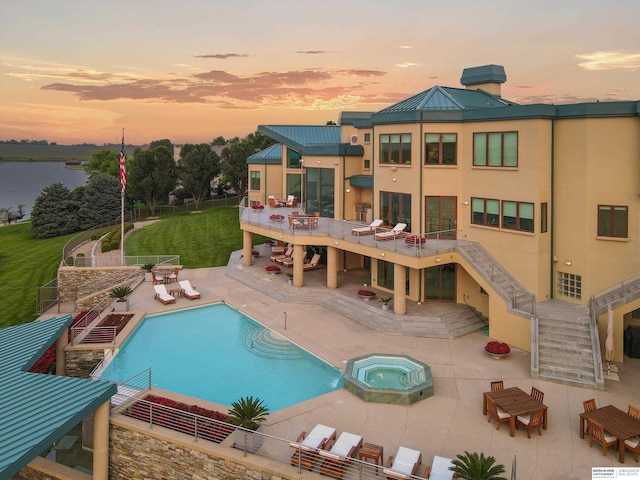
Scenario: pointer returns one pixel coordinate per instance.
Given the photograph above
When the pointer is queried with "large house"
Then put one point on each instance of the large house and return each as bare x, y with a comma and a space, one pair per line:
527, 213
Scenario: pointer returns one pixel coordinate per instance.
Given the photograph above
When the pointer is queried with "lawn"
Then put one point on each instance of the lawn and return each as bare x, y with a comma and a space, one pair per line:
26, 263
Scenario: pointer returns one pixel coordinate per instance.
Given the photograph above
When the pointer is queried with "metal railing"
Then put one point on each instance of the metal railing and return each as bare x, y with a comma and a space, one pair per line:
129, 261
99, 312
204, 428
47, 296
615, 295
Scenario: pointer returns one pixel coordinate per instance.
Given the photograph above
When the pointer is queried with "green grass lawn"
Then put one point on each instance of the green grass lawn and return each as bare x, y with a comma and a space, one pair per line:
26, 263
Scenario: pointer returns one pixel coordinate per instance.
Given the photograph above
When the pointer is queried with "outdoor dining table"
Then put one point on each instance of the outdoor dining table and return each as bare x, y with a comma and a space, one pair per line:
515, 402
615, 421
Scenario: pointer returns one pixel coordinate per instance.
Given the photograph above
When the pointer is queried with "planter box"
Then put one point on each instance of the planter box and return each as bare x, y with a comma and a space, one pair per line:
121, 306
148, 277
247, 440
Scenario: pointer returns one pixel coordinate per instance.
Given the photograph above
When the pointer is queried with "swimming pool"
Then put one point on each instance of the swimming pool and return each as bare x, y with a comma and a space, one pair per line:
218, 354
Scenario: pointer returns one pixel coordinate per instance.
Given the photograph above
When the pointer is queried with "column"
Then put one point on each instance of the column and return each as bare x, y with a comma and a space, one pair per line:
298, 262
399, 289
61, 360
101, 442
247, 247
332, 267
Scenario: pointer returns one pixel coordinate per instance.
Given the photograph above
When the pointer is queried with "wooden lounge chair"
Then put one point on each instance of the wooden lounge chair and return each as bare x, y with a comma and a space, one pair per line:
405, 464
188, 291
307, 445
496, 412
497, 385
273, 203
280, 258
162, 295
368, 230
531, 421
335, 460
389, 234
439, 469
314, 263
292, 201
598, 434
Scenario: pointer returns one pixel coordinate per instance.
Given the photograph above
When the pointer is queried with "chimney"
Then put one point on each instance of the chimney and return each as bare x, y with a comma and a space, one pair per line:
487, 78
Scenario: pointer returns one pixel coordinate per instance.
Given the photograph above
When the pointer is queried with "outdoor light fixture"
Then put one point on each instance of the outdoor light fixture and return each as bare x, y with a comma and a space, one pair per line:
393, 169
394, 179
466, 203
382, 254
348, 190
438, 259
336, 242
568, 263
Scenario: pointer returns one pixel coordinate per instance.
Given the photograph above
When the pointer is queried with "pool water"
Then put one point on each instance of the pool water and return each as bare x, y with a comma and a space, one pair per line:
387, 377
213, 353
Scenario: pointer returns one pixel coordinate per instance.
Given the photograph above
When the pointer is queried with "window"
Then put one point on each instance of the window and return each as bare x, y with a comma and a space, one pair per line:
517, 216
499, 149
543, 217
395, 208
613, 221
395, 148
293, 159
255, 180
367, 138
569, 285
367, 164
485, 211
440, 148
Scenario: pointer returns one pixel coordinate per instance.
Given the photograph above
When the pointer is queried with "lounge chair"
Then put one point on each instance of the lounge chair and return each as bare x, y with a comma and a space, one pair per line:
292, 201
162, 295
368, 230
439, 469
404, 464
314, 263
273, 203
389, 234
307, 445
188, 291
280, 258
335, 460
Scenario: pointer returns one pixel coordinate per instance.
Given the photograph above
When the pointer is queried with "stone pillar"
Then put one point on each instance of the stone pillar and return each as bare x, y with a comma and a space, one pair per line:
61, 361
298, 262
247, 247
101, 442
399, 290
332, 267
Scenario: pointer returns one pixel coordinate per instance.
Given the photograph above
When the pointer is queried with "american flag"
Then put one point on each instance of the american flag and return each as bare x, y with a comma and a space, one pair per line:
123, 169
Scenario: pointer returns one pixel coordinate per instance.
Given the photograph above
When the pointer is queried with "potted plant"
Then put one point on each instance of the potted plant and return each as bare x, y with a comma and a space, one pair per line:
472, 466
385, 301
121, 294
366, 294
248, 413
147, 274
497, 349
290, 279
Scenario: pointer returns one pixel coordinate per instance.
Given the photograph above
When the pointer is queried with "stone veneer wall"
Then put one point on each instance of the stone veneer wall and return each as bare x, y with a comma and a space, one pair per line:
42, 469
78, 282
137, 453
81, 361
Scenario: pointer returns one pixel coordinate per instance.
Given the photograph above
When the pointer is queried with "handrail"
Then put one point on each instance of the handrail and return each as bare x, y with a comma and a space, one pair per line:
276, 318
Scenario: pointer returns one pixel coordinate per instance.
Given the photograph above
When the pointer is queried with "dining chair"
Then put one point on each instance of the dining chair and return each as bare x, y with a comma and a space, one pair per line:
496, 412
531, 421
589, 405
633, 444
598, 434
157, 280
634, 412
537, 394
497, 385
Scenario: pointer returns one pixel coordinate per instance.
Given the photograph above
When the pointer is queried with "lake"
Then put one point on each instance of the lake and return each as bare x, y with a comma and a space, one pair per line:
23, 182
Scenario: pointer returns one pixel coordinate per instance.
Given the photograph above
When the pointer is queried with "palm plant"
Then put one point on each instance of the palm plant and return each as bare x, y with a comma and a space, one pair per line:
472, 466
248, 412
120, 293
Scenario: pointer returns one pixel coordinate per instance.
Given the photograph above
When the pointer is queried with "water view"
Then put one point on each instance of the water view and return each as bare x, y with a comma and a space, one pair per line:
22, 182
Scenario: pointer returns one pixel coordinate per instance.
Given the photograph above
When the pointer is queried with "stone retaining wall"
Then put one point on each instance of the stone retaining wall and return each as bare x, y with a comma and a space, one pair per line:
75, 283
81, 362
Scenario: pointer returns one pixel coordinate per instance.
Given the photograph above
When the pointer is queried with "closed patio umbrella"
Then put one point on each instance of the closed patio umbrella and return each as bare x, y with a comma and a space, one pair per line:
612, 371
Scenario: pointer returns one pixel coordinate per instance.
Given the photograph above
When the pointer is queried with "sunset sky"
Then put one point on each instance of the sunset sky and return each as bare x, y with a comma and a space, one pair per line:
190, 70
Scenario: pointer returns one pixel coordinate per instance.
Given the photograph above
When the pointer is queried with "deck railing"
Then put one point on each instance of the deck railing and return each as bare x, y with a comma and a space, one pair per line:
47, 296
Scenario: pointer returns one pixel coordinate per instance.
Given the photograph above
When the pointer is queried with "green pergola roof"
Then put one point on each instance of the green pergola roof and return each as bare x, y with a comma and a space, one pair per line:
270, 155
38, 409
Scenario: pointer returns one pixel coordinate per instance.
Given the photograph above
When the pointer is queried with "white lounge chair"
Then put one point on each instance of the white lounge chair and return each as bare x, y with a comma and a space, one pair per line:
307, 445
439, 469
281, 258
335, 460
389, 234
404, 464
162, 295
368, 230
314, 263
188, 291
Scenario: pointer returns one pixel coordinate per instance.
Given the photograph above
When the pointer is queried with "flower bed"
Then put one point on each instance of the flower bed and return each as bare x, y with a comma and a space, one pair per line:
497, 349
165, 415
414, 240
272, 269
366, 294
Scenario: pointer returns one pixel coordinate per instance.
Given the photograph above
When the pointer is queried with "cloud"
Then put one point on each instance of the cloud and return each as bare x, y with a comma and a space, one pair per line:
313, 52
222, 56
406, 64
405, 46
609, 61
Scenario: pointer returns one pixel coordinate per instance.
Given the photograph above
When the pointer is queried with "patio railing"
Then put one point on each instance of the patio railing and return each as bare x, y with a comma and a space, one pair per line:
47, 296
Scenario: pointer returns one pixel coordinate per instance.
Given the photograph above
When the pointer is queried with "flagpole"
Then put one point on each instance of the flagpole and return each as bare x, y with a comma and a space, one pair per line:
123, 182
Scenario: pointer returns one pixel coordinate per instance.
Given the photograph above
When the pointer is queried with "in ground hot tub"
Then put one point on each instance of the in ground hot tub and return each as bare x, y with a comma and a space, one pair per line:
384, 378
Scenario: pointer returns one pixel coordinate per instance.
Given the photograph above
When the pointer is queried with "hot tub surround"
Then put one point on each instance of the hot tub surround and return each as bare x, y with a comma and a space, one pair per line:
384, 378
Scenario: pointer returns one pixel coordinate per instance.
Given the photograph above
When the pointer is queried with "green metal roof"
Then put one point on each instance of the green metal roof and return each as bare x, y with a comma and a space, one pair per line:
38, 409
362, 181
270, 155
483, 74
311, 140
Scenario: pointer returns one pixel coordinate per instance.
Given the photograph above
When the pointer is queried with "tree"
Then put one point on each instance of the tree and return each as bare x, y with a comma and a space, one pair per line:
104, 161
234, 159
152, 176
219, 141
162, 143
55, 212
472, 466
101, 201
197, 166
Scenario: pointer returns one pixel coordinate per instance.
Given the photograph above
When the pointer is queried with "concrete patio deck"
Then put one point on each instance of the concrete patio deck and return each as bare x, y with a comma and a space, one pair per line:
446, 424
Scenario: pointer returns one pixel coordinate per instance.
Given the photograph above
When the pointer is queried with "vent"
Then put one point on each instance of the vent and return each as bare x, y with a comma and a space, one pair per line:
354, 139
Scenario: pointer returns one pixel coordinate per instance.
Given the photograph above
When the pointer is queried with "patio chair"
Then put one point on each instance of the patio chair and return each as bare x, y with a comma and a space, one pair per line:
497, 385
294, 222
389, 234
335, 460
162, 295
157, 280
280, 258
173, 276
537, 394
314, 263
589, 406
292, 201
599, 435
307, 445
633, 444
439, 469
404, 465
273, 203
634, 412
531, 421
368, 230
188, 290
497, 413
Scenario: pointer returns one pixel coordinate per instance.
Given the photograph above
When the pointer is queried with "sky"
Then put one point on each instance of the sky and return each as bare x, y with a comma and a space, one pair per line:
192, 70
